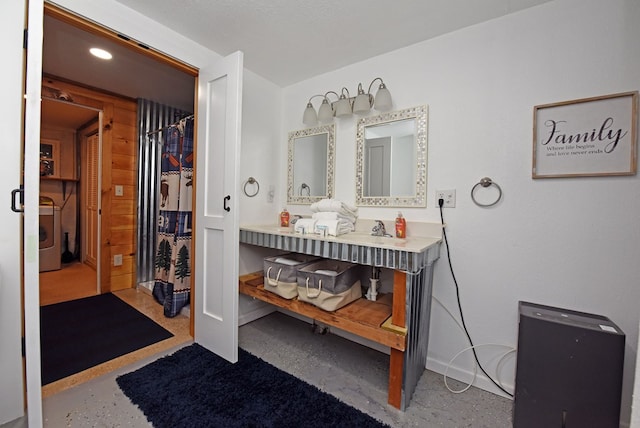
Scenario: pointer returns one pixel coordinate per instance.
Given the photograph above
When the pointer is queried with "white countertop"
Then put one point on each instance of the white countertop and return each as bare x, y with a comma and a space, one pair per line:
421, 236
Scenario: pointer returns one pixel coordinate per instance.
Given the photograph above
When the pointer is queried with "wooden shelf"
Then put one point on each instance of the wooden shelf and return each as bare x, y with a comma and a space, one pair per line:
363, 317
44, 177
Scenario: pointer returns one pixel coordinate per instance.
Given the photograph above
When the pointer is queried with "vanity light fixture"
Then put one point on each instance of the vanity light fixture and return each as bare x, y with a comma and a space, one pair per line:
346, 105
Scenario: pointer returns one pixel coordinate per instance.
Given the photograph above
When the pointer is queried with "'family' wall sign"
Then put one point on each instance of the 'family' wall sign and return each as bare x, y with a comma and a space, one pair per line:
586, 137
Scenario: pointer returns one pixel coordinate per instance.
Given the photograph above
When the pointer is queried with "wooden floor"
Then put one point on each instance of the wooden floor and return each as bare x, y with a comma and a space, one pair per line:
76, 281
73, 281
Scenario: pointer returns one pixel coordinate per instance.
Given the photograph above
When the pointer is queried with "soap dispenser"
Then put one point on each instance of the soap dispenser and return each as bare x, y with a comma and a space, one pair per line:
284, 218
401, 226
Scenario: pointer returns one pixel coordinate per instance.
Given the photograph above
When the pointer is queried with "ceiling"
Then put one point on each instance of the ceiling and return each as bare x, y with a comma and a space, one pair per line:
284, 41
287, 41
66, 55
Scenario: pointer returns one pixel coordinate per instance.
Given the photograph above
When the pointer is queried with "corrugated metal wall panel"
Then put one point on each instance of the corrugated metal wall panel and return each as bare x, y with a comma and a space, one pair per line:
152, 119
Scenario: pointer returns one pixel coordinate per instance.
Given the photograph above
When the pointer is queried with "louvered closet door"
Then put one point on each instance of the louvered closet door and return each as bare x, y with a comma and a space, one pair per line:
91, 201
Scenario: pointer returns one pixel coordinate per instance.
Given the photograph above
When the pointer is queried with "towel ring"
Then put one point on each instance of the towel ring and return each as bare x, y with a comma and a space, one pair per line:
251, 180
305, 186
486, 182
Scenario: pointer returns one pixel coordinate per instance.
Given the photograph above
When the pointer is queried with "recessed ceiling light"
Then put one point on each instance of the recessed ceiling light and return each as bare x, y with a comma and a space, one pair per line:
100, 53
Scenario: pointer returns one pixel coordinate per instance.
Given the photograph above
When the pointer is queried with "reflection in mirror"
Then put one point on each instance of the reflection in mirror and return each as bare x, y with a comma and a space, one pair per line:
391, 159
310, 164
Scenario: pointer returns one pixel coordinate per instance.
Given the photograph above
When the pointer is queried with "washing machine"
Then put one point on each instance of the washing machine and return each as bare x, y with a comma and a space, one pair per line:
50, 236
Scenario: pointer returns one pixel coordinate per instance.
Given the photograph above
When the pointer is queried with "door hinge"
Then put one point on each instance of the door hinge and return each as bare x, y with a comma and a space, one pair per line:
24, 347
25, 38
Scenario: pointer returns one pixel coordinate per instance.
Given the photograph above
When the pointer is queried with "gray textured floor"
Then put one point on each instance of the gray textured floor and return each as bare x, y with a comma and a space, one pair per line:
353, 373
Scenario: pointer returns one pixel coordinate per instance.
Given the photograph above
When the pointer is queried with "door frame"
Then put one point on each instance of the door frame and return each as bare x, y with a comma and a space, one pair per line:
110, 13
102, 15
81, 22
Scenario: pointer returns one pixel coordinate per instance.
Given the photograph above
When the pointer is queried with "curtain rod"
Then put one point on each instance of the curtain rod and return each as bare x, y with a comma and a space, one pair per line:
191, 116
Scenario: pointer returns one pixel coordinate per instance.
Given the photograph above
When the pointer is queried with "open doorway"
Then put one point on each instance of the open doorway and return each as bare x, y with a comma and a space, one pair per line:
105, 242
69, 185
135, 73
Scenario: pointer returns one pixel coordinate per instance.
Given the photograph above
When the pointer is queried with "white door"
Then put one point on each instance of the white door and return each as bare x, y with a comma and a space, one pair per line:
11, 116
31, 218
378, 166
216, 229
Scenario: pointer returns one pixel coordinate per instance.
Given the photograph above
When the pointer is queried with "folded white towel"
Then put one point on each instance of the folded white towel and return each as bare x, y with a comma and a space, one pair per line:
326, 225
285, 261
333, 205
332, 215
325, 215
334, 227
304, 225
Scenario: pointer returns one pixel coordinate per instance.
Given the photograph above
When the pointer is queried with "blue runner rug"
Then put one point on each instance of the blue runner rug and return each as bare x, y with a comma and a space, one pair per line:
83, 333
195, 388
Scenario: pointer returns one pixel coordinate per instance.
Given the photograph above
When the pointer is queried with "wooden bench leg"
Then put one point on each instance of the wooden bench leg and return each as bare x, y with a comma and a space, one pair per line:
396, 365
398, 311
398, 317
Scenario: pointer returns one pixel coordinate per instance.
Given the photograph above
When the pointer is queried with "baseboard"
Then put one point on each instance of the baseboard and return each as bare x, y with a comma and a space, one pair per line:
255, 314
146, 287
464, 376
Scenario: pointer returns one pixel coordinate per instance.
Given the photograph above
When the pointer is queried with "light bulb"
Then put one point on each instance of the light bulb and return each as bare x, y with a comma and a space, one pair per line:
325, 112
362, 104
310, 118
343, 107
383, 99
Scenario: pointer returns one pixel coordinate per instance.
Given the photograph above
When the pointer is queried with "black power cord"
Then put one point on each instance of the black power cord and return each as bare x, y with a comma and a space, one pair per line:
464, 325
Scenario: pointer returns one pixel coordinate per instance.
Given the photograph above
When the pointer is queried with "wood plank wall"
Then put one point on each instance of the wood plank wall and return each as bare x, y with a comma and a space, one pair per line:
119, 167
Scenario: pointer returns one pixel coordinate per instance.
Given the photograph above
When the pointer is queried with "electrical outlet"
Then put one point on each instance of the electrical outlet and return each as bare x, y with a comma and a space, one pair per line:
271, 193
448, 196
117, 260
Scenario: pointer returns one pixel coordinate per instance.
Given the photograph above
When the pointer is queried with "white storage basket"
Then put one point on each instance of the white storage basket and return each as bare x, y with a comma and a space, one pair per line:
329, 284
280, 273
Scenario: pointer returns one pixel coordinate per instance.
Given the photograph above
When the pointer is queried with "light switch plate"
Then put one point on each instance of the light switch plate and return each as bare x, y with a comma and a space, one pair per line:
119, 190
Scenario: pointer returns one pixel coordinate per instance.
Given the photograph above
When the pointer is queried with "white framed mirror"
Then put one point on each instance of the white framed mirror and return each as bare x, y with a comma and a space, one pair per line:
391, 159
311, 164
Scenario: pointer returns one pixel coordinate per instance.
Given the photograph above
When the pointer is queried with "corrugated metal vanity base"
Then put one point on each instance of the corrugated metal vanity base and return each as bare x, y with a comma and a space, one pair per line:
418, 316
419, 284
361, 254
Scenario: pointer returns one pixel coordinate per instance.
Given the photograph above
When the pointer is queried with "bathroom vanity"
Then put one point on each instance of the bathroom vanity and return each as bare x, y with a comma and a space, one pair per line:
399, 320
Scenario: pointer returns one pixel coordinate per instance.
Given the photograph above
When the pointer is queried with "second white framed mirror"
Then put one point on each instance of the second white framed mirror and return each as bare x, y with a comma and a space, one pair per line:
391, 159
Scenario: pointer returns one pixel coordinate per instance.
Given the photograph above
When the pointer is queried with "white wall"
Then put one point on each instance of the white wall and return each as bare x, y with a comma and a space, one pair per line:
261, 140
570, 243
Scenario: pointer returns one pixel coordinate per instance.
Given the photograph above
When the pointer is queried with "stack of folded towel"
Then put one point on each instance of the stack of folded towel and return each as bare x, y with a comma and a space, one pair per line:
305, 225
333, 217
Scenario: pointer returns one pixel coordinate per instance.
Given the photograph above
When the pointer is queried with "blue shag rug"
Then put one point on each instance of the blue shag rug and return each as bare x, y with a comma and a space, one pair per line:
195, 388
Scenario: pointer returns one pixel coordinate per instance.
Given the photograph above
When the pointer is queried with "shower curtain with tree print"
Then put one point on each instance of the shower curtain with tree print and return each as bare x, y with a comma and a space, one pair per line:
173, 250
